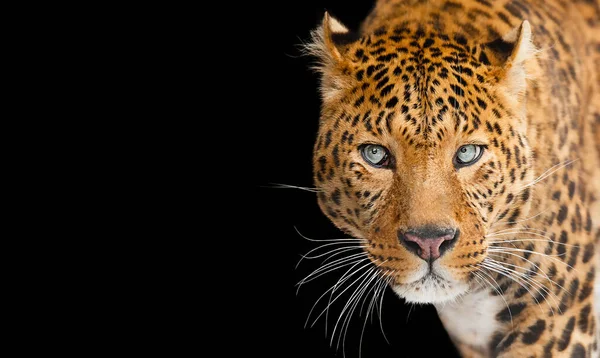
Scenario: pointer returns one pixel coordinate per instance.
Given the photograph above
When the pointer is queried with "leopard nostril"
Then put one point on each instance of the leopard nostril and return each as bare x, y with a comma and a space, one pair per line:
412, 247
447, 244
428, 242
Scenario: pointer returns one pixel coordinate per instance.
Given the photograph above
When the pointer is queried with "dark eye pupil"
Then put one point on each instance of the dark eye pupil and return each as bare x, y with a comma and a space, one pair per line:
463, 149
374, 150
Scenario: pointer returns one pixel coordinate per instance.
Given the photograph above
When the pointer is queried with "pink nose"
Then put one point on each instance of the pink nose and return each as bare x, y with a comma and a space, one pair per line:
429, 248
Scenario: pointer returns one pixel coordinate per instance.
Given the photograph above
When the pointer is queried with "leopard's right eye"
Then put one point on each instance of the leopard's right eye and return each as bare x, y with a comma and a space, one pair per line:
376, 155
467, 155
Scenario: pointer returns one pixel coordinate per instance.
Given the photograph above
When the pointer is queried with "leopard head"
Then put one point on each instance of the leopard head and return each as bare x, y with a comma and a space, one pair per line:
422, 148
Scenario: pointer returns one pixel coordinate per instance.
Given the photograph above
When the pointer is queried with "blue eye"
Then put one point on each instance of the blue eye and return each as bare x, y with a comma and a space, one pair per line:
467, 155
376, 155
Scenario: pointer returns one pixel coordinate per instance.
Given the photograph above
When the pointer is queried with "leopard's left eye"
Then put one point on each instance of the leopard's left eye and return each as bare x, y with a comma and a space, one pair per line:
467, 155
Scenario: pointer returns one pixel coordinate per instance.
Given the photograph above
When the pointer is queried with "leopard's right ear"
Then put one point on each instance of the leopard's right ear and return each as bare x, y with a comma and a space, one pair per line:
333, 35
327, 45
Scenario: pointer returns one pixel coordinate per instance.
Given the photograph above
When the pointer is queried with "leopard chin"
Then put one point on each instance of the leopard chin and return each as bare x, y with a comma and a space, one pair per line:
431, 289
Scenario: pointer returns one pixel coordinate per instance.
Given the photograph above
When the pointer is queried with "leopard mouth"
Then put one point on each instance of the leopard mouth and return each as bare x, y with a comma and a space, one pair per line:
430, 288
428, 278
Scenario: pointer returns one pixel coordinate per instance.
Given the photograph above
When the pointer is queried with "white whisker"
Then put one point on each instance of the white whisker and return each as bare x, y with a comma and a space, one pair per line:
332, 266
384, 289
332, 240
527, 271
524, 240
344, 278
345, 311
501, 293
516, 233
551, 257
517, 281
308, 257
526, 278
339, 253
287, 186
520, 221
549, 172
515, 229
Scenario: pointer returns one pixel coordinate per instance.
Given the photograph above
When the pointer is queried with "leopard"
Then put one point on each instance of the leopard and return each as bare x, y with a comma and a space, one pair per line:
459, 144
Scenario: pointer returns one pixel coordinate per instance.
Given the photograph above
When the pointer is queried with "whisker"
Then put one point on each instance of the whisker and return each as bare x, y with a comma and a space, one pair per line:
517, 281
339, 253
478, 277
549, 172
386, 284
526, 278
308, 257
516, 233
520, 221
357, 300
515, 229
332, 266
522, 258
503, 248
409, 311
527, 271
350, 306
287, 186
329, 240
343, 279
369, 310
522, 240
334, 288
500, 292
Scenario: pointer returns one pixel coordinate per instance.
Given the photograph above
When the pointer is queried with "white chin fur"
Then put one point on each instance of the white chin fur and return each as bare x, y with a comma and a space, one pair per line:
430, 290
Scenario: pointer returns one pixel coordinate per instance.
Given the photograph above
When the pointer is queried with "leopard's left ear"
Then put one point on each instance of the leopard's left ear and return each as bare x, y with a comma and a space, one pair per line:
513, 54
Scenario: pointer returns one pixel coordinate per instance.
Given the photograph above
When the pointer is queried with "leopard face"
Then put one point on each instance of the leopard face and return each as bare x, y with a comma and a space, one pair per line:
422, 150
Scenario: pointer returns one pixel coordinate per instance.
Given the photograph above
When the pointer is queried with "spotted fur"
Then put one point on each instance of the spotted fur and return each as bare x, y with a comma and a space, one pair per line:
422, 78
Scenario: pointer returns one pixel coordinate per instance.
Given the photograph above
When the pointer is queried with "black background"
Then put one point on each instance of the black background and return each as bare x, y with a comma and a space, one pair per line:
284, 138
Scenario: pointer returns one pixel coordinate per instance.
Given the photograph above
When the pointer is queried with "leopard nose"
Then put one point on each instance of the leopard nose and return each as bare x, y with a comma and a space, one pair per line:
428, 242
